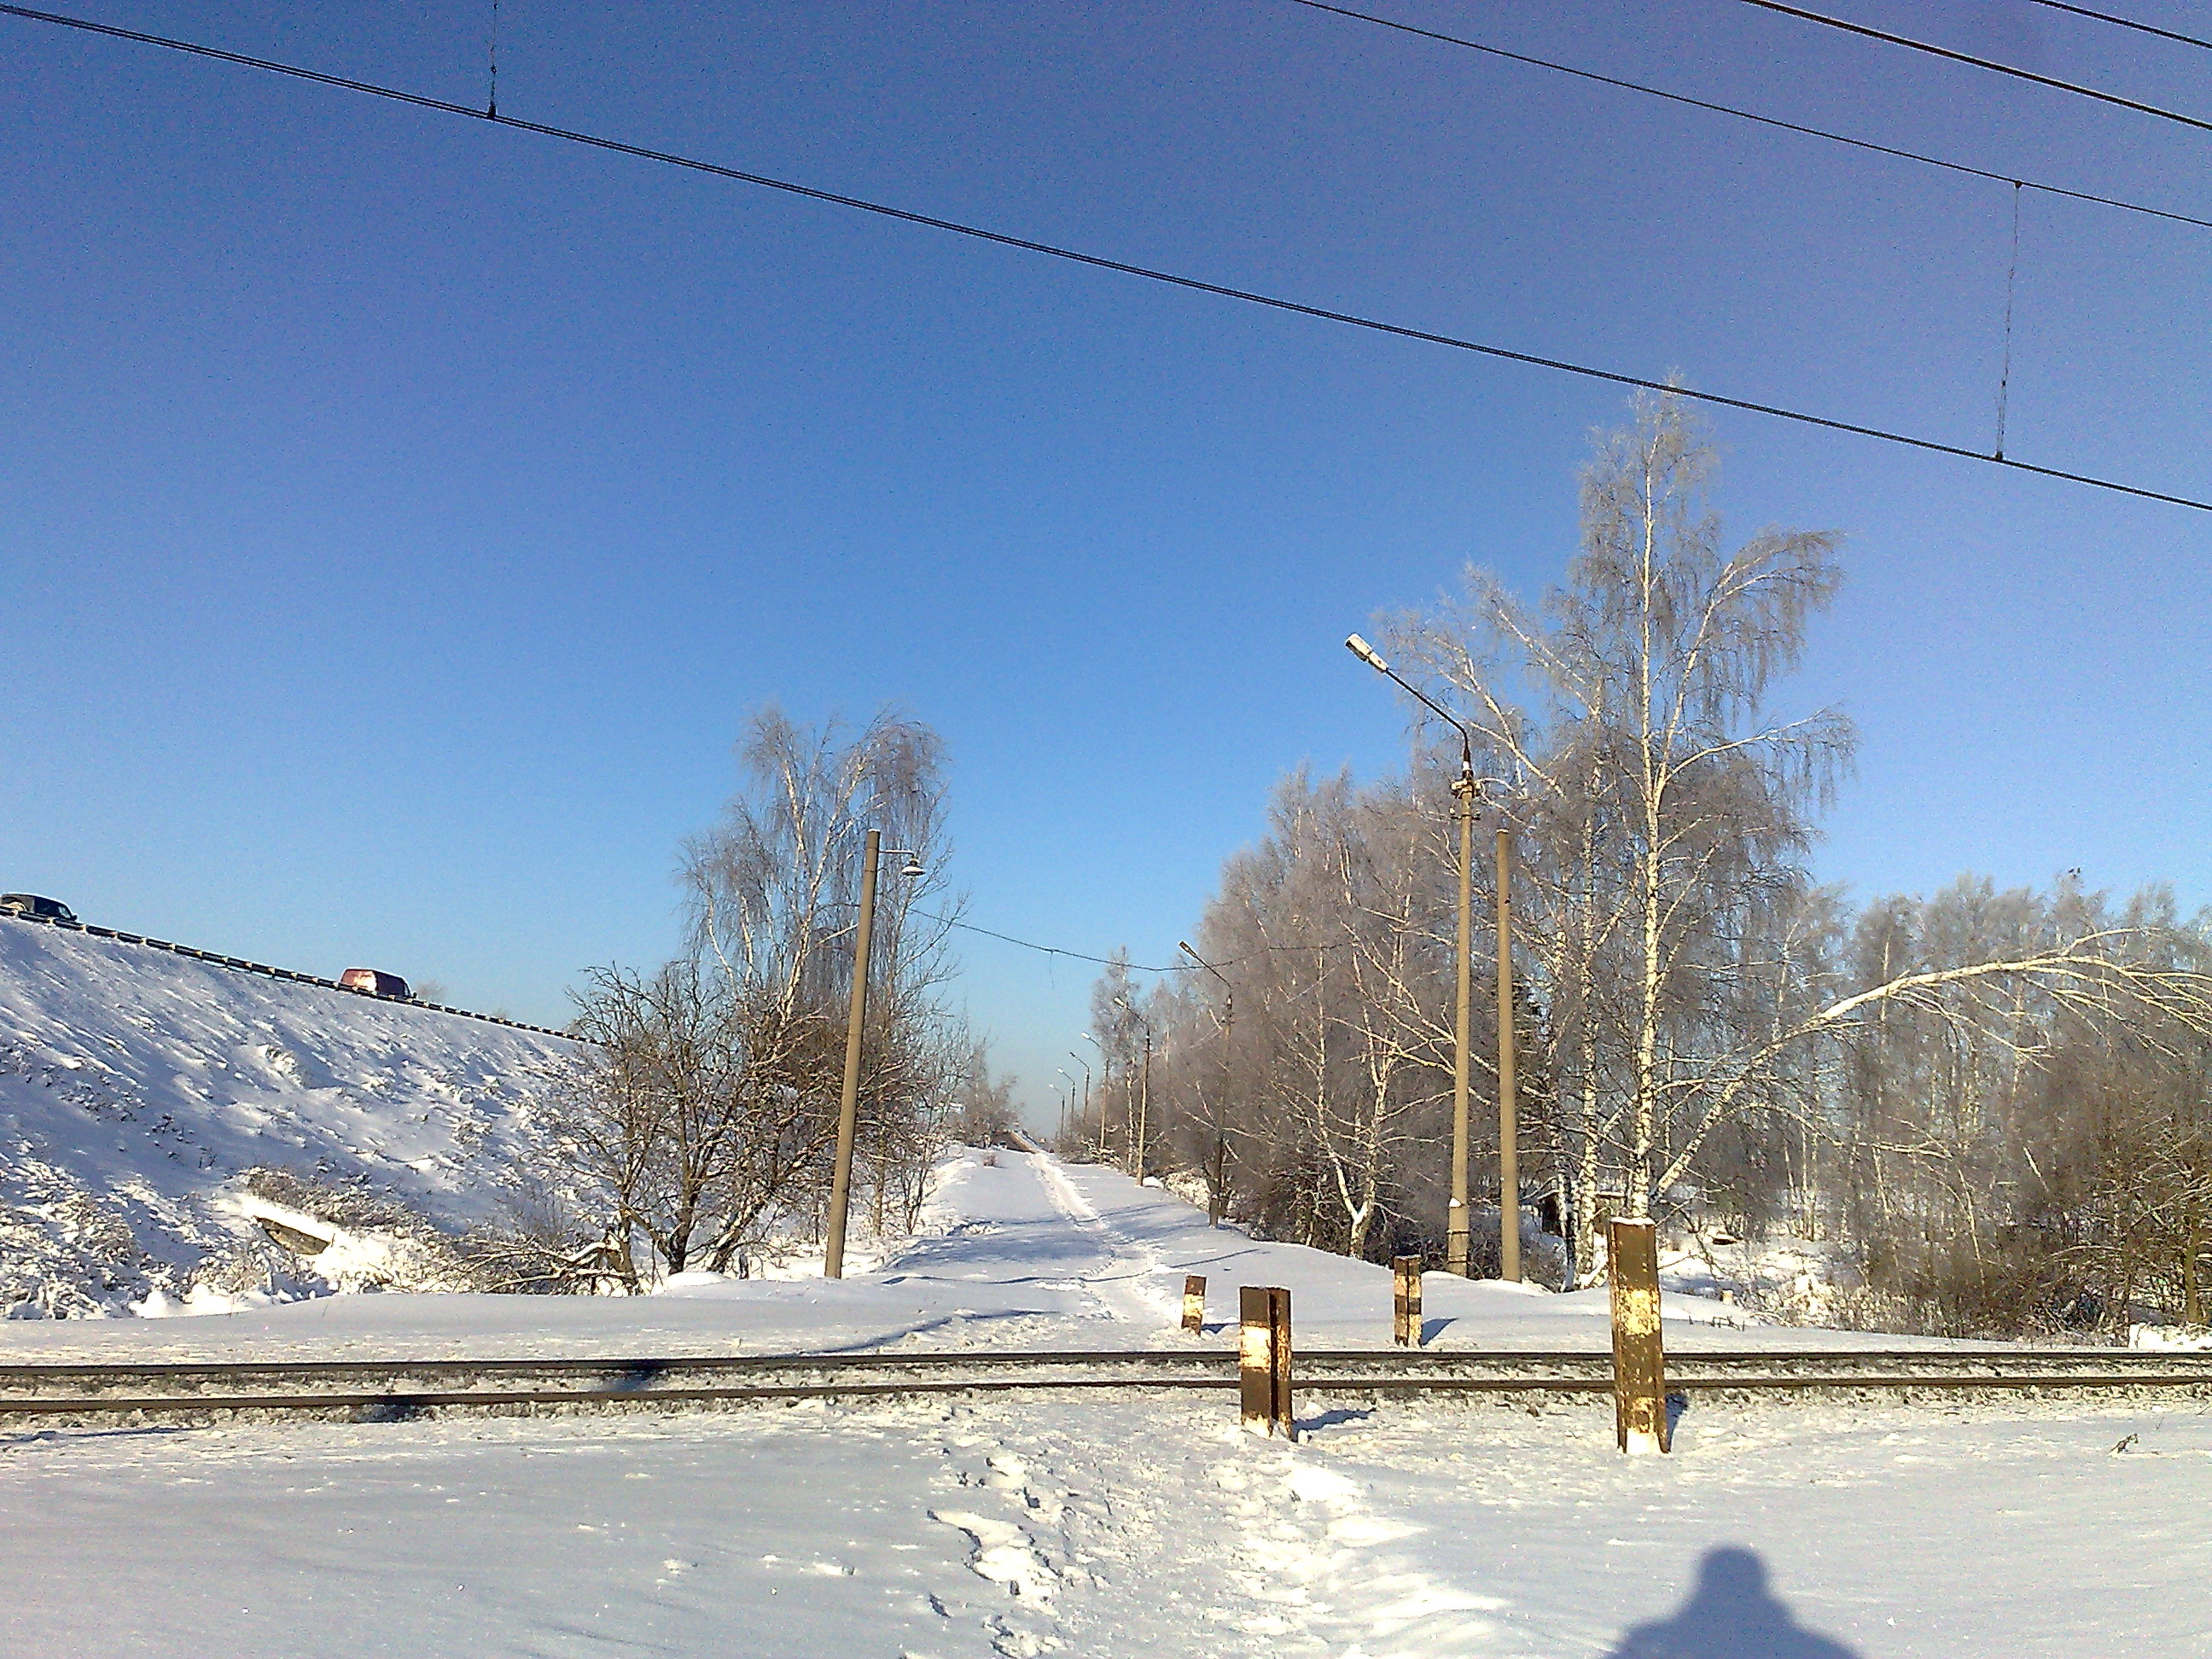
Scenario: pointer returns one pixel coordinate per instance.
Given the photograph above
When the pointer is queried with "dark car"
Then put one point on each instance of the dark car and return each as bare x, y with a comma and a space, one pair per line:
376, 982
37, 908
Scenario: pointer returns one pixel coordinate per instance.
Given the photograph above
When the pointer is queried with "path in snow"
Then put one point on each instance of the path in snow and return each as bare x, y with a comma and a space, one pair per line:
1017, 1251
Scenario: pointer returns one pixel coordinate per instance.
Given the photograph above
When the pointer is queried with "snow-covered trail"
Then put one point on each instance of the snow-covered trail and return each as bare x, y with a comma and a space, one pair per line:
1017, 1250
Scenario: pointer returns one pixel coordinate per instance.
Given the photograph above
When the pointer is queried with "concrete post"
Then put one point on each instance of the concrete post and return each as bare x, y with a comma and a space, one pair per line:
1639, 1362
1406, 1300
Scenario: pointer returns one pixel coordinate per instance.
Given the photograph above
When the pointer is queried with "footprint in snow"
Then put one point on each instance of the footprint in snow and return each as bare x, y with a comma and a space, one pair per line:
1003, 1554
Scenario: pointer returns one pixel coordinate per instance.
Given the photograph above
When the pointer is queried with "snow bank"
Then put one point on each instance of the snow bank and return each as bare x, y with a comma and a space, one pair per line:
137, 1088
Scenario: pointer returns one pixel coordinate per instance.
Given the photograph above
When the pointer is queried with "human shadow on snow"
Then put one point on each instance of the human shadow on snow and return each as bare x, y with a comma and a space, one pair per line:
1731, 1615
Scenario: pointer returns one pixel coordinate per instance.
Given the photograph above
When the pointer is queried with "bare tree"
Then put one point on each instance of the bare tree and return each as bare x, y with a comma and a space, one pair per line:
706, 1108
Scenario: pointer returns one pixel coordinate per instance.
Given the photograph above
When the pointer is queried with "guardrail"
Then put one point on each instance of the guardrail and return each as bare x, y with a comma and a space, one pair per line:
263, 969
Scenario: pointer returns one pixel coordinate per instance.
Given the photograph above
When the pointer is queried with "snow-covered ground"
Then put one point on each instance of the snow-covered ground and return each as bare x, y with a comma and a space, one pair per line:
1138, 1525
135, 1086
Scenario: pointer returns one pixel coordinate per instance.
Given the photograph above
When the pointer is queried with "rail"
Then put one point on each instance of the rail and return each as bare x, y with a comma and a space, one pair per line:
374, 1390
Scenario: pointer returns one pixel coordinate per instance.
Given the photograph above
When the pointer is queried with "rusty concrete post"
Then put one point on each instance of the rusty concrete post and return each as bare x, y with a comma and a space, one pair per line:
1264, 1360
1406, 1301
1639, 1362
1193, 1302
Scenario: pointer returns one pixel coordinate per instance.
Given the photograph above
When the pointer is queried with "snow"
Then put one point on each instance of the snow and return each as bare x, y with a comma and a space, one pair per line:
135, 1086
1087, 1524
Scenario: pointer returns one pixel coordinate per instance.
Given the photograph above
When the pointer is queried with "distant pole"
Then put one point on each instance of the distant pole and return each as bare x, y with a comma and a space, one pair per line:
1509, 1125
1144, 1104
848, 1104
1216, 1189
1457, 1251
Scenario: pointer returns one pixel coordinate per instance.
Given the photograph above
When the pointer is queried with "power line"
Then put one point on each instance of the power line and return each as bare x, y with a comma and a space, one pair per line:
1099, 262
1932, 51
2126, 23
1054, 950
1750, 115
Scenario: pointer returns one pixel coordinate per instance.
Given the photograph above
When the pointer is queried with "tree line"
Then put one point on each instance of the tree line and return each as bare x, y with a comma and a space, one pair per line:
1993, 1103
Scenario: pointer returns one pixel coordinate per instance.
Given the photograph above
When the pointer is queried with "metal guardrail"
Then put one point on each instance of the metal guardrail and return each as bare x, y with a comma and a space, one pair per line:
262, 968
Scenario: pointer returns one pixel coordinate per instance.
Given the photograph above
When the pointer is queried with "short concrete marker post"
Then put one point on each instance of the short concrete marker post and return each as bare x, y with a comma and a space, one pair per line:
1406, 1300
1193, 1302
1263, 1356
1639, 1362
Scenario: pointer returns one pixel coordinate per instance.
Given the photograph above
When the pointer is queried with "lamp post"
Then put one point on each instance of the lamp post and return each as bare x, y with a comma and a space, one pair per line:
848, 1104
1085, 1065
1067, 1106
1456, 1249
1217, 1190
1144, 1090
1106, 1073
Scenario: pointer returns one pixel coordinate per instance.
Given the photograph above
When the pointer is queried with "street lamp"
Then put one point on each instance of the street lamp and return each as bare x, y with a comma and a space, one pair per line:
1067, 1106
1144, 1090
1085, 1065
848, 1104
1456, 1250
1106, 1071
1217, 1194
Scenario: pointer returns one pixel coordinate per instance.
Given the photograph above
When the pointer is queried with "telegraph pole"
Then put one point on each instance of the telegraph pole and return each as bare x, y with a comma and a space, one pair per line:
1217, 1200
1457, 1250
1509, 1125
856, 1019
849, 1103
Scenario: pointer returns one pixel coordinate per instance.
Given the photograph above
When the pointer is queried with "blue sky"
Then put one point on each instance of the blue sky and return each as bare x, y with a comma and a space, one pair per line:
398, 515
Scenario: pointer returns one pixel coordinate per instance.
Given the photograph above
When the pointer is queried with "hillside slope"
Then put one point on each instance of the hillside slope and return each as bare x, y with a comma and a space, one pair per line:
137, 1089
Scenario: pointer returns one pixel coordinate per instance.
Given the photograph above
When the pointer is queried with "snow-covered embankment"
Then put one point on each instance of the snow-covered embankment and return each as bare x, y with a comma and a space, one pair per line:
137, 1089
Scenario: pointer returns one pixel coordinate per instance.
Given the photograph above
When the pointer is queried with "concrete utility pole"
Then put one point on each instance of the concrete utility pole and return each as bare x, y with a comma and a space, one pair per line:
856, 1019
1509, 1116
1457, 1253
1144, 1091
1218, 1188
1458, 1246
1085, 1065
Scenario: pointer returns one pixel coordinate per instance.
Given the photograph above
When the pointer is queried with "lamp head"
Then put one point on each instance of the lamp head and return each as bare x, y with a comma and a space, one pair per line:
1366, 654
912, 867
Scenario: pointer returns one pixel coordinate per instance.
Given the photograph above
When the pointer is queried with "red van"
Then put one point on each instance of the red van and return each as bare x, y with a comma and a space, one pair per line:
375, 982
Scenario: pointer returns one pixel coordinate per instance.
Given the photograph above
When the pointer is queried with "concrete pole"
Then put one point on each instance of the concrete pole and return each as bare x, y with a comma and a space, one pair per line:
1144, 1104
1456, 1218
848, 1105
1508, 1125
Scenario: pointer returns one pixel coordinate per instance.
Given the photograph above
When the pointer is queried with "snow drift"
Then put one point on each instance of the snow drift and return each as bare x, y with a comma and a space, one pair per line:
160, 1117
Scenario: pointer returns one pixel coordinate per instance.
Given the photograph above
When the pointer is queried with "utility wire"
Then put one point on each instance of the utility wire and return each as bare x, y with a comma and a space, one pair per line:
1932, 51
1054, 950
2126, 23
1749, 115
1000, 239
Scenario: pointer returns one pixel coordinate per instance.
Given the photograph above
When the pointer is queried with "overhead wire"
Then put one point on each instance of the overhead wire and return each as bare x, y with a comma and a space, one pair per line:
2126, 23
1751, 115
1000, 239
1989, 63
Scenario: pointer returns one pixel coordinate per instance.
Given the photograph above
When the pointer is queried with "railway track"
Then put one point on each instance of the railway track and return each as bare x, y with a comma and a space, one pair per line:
369, 1390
